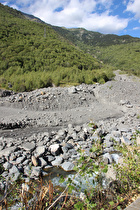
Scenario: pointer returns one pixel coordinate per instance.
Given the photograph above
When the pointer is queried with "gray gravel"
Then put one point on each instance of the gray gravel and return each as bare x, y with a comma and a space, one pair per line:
45, 128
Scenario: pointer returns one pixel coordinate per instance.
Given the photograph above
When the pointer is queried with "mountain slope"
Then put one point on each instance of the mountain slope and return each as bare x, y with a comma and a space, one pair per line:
33, 55
121, 52
91, 38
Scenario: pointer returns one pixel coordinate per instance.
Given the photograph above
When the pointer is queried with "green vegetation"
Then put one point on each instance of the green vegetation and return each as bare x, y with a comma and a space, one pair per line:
117, 194
124, 57
83, 38
36, 55
33, 56
121, 52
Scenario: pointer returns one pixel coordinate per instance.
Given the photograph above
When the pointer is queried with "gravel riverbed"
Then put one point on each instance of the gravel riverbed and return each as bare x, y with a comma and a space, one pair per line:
45, 128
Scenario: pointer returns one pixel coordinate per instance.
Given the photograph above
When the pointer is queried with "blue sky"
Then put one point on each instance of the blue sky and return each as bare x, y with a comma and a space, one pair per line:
106, 16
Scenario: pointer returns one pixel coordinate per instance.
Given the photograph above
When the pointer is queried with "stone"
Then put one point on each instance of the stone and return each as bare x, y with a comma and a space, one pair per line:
57, 161
67, 166
50, 158
13, 170
14, 177
6, 152
138, 140
27, 171
28, 146
115, 157
7, 165
36, 171
26, 162
20, 159
34, 160
125, 140
47, 167
107, 159
72, 90
124, 102
2, 186
108, 150
42, 162
40, 151
55, 149
107, 144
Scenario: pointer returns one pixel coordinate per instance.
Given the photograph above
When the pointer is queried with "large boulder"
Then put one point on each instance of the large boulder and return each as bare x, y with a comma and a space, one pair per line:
67, 166
55, 149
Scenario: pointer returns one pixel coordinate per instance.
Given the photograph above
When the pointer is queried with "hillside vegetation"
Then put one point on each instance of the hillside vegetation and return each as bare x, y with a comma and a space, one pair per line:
33, 56
36, 55
121, 52
82, 37
125, 57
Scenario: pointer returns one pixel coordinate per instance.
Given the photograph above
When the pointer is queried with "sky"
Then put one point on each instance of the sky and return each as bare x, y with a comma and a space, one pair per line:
119, 17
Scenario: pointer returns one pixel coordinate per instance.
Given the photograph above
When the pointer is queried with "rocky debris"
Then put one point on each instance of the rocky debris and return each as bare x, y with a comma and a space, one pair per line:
4, 93
60, 148
67, 166
56, 121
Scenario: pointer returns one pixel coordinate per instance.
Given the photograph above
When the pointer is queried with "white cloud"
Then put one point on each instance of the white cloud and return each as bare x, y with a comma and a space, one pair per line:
136, 28
106, 3
134, 7
14, 6
89, 14
104, 23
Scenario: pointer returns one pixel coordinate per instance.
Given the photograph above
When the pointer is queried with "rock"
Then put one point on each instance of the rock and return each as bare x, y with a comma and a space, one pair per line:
72, 90
13, 170
111, 174
50, 158
7, 165
124, 102
34, 161
107, 144
14, 173
4, 93
2, 186
12, 157
115, 157
138, 140
66, 147
109, 150
55, 149
29, 147
6, 152
36, 171
25, 187
67, 166
125, 140
20, 159
15, 176
27, 170
107, 159
57, 161
42, 162
40, 151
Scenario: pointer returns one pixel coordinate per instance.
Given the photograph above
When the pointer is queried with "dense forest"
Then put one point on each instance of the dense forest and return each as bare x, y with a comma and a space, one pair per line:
36, 55
33, 56
121, 52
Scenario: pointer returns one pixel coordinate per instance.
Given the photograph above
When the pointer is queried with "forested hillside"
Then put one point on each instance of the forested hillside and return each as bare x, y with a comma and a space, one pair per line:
125, 57
82, 37
121, 52
33, 55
